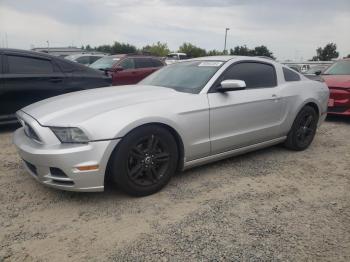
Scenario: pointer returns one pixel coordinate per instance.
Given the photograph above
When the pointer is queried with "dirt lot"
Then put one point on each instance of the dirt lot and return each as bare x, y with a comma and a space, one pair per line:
273, 204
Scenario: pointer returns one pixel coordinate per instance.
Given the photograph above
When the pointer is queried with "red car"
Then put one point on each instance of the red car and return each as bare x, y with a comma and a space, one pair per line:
337, 77
128, 69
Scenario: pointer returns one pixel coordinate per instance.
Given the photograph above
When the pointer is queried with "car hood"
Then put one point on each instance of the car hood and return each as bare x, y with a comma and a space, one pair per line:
73, 108
339, 81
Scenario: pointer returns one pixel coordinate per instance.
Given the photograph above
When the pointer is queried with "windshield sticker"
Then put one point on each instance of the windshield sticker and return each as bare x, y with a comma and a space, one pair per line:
211, 63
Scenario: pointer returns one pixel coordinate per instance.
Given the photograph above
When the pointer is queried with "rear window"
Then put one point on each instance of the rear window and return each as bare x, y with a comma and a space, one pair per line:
28, 65
66, 66
289, 75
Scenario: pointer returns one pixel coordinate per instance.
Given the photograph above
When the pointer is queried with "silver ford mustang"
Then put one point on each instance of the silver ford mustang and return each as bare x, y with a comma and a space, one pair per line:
186, 114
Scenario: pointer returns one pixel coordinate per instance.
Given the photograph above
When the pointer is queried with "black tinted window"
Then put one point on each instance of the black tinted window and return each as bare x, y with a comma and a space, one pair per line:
66, 66
289, 75
128, 63
255, 75
143, 62
157, 63
28, 65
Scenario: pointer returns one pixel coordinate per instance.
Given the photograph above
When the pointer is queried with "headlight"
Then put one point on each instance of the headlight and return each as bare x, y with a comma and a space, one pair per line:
70, 134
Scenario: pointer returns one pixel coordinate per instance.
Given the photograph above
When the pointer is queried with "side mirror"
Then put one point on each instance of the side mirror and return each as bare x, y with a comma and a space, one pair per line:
318, 72
231, 85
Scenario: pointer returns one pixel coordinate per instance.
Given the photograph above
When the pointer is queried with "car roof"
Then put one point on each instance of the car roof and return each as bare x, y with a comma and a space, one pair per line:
26, 52
226, 58
133, 55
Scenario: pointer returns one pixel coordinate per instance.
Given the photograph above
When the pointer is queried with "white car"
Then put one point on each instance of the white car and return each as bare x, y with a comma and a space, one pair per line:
183, 115
175, 57
85, 59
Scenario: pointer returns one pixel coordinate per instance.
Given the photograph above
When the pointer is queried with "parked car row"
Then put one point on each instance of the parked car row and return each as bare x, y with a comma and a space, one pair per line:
27, 77
128, 69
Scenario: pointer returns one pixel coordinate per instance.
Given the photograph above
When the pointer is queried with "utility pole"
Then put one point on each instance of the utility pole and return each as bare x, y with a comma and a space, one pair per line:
48, 46
226, 29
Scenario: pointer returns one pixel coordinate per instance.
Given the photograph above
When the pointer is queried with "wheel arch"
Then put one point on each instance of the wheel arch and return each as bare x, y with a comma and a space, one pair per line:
170, 129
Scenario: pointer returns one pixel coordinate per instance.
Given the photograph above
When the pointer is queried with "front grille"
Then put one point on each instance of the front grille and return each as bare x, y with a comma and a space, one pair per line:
31, 167
337, 109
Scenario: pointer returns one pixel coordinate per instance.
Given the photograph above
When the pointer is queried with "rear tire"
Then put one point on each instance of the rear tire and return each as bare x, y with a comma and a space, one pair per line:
303, 129
144, 161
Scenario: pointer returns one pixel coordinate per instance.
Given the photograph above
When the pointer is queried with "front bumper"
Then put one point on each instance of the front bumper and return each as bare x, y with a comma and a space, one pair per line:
56, 165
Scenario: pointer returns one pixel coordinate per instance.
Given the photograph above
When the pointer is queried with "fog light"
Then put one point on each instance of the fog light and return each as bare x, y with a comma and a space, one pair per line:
87, 168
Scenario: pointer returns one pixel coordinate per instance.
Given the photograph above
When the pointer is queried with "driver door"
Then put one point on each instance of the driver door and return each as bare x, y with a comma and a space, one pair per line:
245, 117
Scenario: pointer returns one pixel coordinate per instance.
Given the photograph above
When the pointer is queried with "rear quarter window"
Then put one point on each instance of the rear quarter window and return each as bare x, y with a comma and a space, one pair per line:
289, 75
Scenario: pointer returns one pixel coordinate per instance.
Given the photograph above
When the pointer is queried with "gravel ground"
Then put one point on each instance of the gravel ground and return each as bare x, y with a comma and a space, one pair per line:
270, 205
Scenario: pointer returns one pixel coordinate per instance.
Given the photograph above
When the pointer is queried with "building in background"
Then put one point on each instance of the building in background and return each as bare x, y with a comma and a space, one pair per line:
61, 51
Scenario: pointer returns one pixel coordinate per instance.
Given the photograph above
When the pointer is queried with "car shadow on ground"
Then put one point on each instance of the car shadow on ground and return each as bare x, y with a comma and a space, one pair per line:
338, 119
9, 128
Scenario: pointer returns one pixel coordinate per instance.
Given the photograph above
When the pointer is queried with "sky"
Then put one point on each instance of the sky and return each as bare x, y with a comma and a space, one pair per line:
291, 29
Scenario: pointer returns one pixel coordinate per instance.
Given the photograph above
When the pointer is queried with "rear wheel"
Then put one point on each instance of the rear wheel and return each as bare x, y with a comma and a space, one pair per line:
145, 160
303, 130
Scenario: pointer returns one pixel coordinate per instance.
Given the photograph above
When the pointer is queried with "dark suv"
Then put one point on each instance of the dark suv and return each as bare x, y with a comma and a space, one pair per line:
27, 77
128, 69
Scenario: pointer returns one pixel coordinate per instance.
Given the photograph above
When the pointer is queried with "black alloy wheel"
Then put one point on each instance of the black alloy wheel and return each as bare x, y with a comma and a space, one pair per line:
144, 160
148, 161
303, 130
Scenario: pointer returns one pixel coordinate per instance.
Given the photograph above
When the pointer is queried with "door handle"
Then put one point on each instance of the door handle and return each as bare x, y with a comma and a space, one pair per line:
56, 79
275, 97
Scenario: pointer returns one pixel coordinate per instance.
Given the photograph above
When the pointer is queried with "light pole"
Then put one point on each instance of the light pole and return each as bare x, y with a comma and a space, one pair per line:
226, 29
48, 46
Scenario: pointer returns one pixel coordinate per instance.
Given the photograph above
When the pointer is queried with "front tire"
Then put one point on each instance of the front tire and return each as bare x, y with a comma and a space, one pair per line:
303, 130
145, 160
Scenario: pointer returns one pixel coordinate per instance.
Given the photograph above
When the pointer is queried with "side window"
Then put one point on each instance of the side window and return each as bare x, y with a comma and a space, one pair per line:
28, 65
255, 75
143, 62
66, 66
85, 60
128, 63
289, 75
0, 63
157, 63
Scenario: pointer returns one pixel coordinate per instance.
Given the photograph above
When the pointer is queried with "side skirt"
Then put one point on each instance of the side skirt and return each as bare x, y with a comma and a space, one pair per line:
235, 152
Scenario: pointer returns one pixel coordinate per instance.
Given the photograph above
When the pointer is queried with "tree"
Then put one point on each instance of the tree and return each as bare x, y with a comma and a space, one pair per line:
263, 51
241, 50
104, 49
157, 49
214, 52
327, 53
122, 48
257, 51
88, 48
192, 50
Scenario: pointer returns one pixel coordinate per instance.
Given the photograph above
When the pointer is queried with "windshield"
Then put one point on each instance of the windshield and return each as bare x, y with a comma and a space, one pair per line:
339, 68
105, 62
314, 69
189, 77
